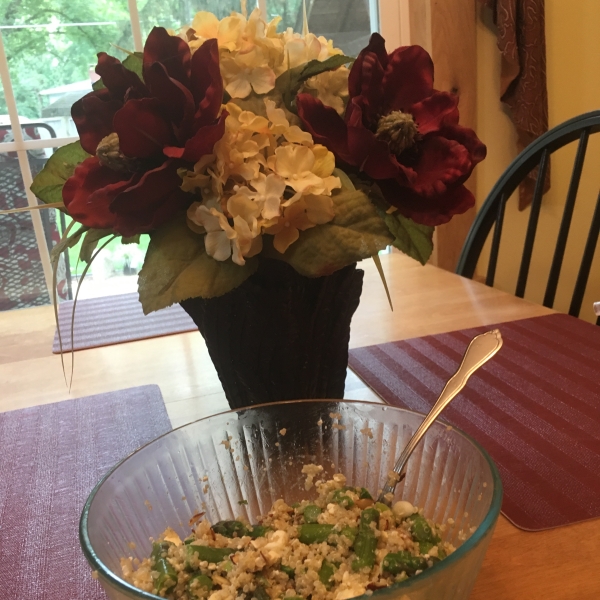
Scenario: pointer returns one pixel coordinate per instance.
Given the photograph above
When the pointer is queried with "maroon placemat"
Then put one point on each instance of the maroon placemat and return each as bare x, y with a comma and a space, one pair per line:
51, 457
114, 319
535, 407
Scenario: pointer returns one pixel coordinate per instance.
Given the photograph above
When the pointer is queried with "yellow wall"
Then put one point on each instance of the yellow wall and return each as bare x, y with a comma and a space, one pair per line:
573, 69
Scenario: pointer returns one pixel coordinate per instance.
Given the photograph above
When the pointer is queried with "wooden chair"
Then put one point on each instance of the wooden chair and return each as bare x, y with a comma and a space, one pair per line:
491, 213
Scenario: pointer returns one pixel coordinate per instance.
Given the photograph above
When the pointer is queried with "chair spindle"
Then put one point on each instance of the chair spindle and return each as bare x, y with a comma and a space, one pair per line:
586, 262
491, 271
565, 225
532, 225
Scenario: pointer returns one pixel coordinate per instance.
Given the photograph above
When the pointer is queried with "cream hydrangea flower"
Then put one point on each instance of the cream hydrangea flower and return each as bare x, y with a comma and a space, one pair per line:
281, 125
246, 71
308, 212
287, 229
222, 240
331, 88
265, 176
228, 31
266, 193
198, 179
252, 53
305, 170
299, 49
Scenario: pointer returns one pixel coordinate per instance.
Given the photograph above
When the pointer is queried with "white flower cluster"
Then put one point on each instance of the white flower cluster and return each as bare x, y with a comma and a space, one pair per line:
265, 176
253, 55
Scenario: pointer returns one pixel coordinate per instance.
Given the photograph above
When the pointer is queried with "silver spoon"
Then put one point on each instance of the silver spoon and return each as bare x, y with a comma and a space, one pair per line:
479, 351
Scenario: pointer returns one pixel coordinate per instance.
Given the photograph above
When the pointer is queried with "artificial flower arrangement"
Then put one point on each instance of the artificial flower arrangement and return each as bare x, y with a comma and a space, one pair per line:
232, 141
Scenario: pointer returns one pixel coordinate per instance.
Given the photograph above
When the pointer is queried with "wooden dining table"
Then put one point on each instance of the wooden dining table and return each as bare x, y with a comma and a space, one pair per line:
556, 564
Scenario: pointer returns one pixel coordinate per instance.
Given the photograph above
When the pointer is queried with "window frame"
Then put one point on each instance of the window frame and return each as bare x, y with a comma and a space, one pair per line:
389, 16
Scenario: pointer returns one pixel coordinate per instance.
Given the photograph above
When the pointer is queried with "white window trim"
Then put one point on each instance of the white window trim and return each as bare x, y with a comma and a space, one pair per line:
390, 16
394, 19
24, 166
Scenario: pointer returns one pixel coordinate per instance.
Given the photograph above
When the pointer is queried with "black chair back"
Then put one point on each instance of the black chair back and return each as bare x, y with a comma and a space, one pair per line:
492, 212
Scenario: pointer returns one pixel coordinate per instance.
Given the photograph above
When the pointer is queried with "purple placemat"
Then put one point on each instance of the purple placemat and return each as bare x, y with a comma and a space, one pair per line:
114, 319
51, 457
535, 407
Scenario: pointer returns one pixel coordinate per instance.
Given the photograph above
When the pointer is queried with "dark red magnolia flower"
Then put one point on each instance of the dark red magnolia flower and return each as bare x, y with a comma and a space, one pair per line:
401, 132
140, 133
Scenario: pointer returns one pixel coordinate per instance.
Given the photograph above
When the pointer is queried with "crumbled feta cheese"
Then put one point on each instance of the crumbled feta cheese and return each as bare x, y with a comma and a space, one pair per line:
403, 509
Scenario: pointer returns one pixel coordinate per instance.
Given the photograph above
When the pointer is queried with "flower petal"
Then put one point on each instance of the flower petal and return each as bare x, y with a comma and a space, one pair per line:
442, 163
117, 78
324, 161
201, 144
171, 51
428, 211
367, 75
438, 109
238, 85
93, 116
143, 128
205, 24
408, 78
285, 237
319, 209
242, 206
176, 99
468, 138
293, 160
89, 192
206, 82
217, 245
325, 126
150, 202
262, 79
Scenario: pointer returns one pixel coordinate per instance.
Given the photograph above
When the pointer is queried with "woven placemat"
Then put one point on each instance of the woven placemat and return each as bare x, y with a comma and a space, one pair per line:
52, 457
115, 319
535, 407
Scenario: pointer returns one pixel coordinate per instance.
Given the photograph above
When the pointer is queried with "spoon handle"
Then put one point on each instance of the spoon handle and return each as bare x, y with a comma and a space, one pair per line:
479, 351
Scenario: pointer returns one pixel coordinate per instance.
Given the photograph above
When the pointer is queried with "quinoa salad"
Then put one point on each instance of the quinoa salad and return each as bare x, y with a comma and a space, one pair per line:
340, 545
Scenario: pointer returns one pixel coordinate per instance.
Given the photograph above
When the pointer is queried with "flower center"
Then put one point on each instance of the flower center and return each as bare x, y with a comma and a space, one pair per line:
398, 129
110, 155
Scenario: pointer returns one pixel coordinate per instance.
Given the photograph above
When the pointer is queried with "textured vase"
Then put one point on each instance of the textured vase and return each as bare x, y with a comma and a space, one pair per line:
280, 335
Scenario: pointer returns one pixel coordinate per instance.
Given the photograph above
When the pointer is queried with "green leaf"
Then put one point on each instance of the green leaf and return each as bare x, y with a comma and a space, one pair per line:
48, 183
289, 82
177, 267
256, 104
410, 237
90, 241
356, 232
316, 67
134, 62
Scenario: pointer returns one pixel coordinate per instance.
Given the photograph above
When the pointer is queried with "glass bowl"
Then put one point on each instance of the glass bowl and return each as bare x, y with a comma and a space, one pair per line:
239, 462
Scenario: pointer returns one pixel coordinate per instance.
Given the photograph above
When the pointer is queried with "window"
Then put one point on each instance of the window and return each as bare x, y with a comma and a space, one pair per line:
47, 60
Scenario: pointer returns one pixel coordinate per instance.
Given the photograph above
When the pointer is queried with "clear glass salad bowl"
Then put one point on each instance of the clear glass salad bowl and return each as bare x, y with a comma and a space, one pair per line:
240, 462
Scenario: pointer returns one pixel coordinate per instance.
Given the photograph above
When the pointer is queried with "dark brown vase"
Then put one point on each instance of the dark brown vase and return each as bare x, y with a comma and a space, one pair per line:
280, 335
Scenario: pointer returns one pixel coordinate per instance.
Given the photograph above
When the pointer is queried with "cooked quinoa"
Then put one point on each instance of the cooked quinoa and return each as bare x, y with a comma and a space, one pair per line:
341, 545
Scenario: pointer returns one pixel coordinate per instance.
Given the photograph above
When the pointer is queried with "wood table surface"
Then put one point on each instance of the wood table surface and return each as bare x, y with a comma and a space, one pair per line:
558, 564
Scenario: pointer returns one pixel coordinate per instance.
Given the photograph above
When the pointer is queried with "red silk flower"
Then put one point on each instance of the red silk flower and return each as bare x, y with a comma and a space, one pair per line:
168, 121
400, 132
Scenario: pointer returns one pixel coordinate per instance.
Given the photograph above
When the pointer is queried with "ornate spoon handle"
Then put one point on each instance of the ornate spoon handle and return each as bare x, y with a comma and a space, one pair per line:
479, 351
